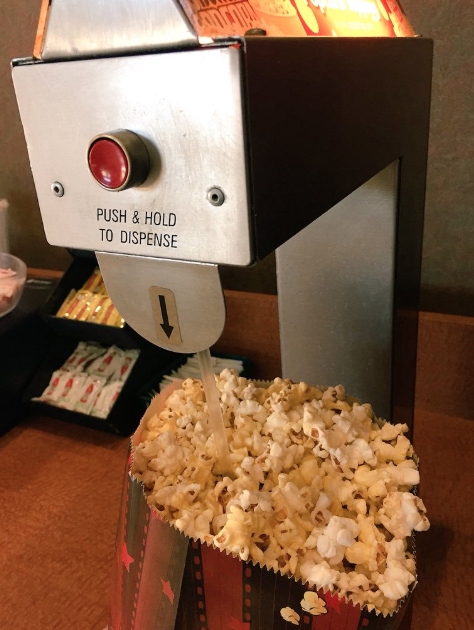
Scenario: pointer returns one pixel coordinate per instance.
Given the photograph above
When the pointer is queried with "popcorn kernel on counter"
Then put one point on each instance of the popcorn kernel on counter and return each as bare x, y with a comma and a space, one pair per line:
321, 491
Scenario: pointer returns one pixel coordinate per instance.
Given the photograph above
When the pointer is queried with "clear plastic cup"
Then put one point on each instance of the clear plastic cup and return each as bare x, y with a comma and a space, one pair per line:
12, 282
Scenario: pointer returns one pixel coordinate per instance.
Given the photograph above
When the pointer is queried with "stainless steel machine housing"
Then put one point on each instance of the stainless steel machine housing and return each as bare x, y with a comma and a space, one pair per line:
319, 148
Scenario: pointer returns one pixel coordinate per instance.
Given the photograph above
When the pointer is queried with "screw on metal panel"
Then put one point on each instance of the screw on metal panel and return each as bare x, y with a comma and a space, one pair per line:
215, 196
58, 189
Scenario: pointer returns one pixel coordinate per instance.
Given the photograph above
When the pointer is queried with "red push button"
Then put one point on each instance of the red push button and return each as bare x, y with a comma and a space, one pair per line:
118, 160
108, 163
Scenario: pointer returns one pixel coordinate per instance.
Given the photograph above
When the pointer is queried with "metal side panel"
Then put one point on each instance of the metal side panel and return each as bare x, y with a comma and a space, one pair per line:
325, 114
80, 28
186, 107
335, 290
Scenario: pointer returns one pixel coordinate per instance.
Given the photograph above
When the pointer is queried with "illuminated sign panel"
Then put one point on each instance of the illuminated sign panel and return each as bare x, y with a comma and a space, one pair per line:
299, 18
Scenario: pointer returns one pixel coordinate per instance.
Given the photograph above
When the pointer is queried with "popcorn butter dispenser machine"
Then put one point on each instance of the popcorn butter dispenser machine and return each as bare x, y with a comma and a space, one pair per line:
169, 153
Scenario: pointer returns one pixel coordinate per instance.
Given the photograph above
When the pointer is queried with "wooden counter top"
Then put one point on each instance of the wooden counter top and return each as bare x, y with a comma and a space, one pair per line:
59, 502
444, 599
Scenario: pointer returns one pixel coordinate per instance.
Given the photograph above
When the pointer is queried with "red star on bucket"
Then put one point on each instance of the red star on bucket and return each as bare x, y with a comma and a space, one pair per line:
235, 624
126, 558
167, 590
332, 600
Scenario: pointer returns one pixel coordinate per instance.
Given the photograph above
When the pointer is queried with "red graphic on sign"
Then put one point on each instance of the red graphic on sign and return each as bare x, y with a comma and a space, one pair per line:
299, 18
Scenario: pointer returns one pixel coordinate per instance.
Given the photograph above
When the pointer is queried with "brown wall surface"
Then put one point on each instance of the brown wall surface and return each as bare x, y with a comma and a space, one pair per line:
448, 260
17, 35
448, 263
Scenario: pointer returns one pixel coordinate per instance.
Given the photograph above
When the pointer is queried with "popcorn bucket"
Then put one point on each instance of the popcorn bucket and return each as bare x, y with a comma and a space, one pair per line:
165, 581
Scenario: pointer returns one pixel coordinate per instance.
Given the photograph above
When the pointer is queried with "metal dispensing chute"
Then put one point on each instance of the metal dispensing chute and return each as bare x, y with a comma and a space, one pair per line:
169, 154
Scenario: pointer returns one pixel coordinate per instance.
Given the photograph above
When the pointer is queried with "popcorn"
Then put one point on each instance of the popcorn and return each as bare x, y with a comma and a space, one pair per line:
321, 575
290, 615
338, 534
321, 489
313, 604
395, 580
403, 512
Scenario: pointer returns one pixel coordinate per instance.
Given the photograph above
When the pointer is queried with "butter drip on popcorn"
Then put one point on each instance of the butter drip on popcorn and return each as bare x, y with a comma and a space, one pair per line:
321, 491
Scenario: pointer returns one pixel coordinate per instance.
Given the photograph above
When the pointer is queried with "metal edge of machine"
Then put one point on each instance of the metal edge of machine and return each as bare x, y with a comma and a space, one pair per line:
81, 28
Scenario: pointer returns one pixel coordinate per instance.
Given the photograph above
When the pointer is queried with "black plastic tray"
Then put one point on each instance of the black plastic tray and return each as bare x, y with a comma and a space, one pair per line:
126, 413
75, 276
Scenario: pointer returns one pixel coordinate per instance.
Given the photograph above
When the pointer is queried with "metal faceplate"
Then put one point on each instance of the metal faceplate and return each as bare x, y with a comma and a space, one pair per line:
85, 27
187, 109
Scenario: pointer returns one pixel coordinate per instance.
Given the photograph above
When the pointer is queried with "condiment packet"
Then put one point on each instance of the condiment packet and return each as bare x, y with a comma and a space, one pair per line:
88, 393
91, 379
84, 353
56, 385
117, 320
94, 304
108, 363
97, 311
64, 309
71, 391
84, 314
125, 364
94, 283
91, 303
78, 305
106, 399
101, 288
106, 312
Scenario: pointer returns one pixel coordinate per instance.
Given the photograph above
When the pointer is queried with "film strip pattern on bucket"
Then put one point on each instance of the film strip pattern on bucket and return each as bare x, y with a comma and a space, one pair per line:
167, 582
220, 592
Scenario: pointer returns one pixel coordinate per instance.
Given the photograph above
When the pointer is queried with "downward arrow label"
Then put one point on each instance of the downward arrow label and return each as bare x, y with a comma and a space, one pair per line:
163, 305
167, 328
